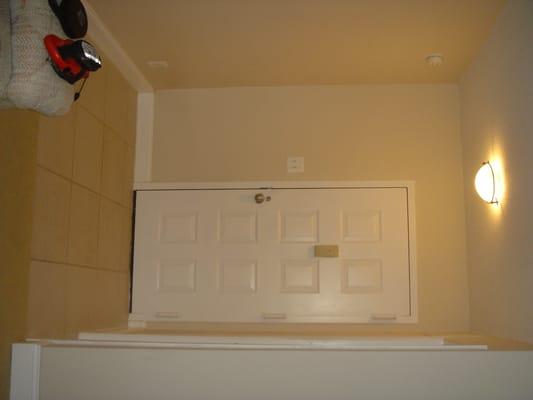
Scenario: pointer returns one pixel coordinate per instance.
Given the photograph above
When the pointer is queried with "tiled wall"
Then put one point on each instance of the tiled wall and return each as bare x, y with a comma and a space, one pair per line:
79, 274
18, 148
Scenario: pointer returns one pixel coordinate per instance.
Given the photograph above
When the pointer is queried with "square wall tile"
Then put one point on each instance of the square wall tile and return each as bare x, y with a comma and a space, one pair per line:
88, 148
50, 217
127, 195
116, 101
83, 232
82, 300
131, 113
110, 237
127, 241
47, 300
113, 299
113, 166
55, 142
92, 98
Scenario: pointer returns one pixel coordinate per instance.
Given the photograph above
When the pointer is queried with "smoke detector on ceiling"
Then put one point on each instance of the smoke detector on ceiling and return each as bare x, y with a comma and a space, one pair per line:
158, 64
434, 60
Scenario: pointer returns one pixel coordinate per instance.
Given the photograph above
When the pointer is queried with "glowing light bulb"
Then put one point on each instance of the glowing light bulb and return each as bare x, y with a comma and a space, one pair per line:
485, 182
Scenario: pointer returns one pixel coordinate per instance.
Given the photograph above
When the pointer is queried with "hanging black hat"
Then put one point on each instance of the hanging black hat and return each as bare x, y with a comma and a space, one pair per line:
72, 16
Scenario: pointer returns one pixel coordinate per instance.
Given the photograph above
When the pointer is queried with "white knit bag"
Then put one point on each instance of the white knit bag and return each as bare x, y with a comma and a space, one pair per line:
5, 53
34, 84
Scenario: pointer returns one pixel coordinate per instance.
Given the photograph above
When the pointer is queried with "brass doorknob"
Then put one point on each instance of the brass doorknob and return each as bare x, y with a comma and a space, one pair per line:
260, 198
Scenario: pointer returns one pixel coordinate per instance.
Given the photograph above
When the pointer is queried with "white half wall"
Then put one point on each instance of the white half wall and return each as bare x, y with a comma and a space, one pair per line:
112, 373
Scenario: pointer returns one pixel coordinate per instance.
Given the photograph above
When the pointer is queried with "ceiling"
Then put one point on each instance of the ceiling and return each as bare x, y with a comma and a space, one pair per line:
221, 43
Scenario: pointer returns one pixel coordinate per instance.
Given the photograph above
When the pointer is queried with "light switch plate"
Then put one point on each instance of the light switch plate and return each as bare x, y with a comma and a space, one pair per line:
295, 164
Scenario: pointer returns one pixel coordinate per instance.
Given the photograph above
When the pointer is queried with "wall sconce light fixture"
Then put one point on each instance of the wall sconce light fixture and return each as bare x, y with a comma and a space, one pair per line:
486, 183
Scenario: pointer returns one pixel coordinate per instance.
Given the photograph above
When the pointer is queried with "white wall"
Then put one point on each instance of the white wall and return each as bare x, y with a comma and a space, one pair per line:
100, 373
497, 125
363, 132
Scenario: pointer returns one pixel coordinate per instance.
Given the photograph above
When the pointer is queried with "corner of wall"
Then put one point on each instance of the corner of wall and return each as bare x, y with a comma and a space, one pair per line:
107, 42
145, 92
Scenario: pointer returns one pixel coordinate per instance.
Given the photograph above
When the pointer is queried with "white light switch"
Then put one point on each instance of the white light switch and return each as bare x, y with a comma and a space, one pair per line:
295, 164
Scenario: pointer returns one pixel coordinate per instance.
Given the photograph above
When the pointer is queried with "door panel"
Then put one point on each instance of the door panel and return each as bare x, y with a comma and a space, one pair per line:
217, 255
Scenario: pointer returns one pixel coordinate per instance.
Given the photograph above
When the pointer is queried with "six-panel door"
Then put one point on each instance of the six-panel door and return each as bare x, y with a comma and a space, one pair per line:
218, 255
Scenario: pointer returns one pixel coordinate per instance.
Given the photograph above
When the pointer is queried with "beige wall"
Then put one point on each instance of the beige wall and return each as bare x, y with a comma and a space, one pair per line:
388, 132
65, 212
497, 125
18, 147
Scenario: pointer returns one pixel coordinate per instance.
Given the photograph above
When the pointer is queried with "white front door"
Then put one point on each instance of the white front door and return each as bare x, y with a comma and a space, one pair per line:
218, 255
